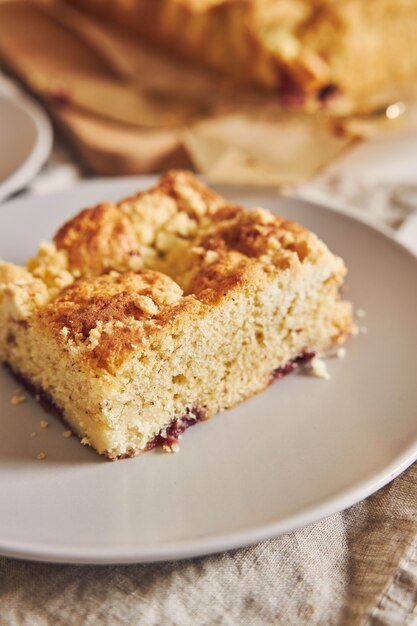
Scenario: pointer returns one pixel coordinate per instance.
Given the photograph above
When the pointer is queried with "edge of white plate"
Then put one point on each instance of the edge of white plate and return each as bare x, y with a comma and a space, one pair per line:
215, 545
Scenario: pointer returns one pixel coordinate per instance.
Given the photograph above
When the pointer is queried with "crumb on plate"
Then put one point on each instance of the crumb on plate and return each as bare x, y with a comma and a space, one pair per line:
17, 398
318, 368
174, 447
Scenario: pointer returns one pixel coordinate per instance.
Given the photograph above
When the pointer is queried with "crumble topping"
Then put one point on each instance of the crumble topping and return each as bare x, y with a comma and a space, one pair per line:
118, 272
98, 240
51, 267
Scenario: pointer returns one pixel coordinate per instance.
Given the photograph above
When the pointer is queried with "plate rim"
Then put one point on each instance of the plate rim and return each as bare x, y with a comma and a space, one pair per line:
183, 550
33, 162
230, 540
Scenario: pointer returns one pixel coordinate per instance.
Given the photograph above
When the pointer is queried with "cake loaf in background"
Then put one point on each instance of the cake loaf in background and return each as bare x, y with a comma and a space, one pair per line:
307, 50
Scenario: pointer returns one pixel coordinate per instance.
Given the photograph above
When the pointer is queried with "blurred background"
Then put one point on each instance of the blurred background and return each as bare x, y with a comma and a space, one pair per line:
314, 98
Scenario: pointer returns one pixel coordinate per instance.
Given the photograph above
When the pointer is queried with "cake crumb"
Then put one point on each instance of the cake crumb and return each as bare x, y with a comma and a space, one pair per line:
341, 353
318, 368
17, 398
41, 456
33, 435
172, 448
66, 434
43, 423
360, 313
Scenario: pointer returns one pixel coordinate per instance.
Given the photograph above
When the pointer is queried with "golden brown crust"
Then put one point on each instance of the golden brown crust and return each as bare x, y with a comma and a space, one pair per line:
189, 193
254, 233
194, 249
220, 244
184, 229
97, 240
214, 281
107, 314
111, 297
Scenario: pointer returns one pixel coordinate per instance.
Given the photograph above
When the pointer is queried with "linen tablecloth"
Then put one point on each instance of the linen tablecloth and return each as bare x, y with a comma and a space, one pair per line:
357, 567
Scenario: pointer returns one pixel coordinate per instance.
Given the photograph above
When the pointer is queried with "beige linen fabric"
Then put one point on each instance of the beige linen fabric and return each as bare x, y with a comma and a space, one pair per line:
357, 567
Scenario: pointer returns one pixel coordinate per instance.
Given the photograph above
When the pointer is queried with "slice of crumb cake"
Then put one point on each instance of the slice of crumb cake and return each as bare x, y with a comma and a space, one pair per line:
146, 316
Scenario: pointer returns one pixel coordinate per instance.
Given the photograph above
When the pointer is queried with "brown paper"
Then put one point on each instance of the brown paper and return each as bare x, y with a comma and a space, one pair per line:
277, 150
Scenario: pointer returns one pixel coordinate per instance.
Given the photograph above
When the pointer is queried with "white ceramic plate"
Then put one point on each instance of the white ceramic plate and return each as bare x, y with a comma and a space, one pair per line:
25, 142
301, 450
